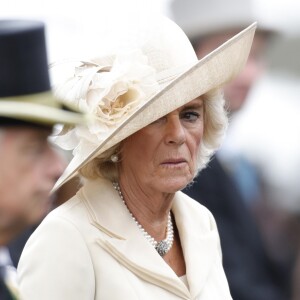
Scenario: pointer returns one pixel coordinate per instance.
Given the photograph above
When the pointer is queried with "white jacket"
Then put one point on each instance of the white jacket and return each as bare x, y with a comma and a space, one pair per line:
90, 248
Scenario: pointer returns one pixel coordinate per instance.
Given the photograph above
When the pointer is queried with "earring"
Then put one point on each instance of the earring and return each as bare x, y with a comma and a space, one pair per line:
114, 158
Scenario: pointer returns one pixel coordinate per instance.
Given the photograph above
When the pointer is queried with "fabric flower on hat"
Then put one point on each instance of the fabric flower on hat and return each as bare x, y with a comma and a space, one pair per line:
110, 89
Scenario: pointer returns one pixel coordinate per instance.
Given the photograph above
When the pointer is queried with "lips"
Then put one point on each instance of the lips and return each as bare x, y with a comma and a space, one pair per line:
174, 161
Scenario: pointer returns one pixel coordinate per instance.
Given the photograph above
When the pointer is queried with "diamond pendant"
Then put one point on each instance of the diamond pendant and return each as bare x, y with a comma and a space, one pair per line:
162, 247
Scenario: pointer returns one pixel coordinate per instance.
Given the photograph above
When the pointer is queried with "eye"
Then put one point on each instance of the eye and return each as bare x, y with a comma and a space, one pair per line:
36, 149
190, 116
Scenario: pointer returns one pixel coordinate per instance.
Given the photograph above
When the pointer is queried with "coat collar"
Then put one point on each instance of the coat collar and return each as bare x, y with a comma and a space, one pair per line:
124, 241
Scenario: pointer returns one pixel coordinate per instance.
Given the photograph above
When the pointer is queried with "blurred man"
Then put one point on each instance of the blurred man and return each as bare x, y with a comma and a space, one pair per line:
230, 186
29, 166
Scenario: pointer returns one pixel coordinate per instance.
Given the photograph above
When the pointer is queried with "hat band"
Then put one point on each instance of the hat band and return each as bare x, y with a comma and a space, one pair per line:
44, 98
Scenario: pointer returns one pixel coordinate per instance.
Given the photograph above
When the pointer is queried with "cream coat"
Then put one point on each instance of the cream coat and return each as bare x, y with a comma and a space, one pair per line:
90, 248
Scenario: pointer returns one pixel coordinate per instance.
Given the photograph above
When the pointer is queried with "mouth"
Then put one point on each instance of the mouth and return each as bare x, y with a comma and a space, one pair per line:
174, 162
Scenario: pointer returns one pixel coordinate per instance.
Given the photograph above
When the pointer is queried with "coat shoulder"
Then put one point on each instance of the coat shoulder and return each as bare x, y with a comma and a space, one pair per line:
195, 211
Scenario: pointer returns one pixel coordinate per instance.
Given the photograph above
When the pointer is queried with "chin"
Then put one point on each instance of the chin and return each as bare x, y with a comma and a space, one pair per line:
174, 185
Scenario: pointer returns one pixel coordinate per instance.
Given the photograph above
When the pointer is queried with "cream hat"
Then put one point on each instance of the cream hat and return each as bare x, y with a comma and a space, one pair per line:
129, 90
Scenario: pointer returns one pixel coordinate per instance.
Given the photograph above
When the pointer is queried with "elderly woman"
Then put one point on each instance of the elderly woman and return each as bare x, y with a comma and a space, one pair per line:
129, 233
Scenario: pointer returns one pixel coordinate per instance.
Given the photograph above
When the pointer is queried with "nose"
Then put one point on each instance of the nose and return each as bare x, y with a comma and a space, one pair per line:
56, 163
174, 130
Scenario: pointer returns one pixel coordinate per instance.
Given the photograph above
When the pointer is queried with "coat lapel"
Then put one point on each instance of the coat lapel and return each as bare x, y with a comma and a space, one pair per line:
146, 264
199, 240
124, 241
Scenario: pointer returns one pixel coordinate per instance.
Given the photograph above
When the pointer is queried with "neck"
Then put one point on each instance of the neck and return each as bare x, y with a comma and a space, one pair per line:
7, 236
162, 246
151, 210
9, 232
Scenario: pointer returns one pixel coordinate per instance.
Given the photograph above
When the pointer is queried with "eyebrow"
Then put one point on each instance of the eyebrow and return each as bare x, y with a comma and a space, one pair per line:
193, 106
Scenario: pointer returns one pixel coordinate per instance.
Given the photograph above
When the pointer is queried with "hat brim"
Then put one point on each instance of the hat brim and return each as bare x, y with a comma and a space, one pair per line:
212, 71
41, 108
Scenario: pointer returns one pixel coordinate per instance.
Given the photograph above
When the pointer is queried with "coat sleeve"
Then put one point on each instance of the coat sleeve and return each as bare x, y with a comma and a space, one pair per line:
56, 264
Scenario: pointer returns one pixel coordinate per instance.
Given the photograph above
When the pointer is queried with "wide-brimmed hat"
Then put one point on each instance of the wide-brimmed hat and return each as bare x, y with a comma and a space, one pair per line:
25, 93
129, 90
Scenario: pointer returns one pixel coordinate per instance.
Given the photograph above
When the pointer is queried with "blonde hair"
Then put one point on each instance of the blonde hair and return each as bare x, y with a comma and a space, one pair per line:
215, 124
102, 166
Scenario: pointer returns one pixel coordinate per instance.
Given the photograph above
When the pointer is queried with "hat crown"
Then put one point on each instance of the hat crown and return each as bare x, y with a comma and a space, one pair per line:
168, 48
23, 58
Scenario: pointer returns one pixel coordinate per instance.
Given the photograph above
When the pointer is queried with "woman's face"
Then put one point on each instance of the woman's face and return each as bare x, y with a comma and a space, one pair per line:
163, 156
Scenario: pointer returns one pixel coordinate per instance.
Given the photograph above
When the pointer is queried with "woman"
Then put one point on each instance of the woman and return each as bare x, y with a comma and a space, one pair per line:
129, 233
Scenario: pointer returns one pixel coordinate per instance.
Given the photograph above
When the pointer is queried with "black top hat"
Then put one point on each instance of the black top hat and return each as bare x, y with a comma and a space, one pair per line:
25, 93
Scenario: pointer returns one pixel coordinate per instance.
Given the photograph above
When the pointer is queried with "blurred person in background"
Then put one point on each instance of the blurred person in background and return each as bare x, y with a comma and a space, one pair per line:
273, 141
231, 187
29, 165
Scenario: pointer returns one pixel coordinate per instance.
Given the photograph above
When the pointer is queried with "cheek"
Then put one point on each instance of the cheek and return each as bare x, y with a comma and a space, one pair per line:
195, 140
139, 146
139, 153
19, 181
16, 192
22, 184
23, 179
194, 145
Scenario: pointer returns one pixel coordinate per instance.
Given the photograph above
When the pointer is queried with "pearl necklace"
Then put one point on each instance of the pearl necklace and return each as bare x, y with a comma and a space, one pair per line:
162, 247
